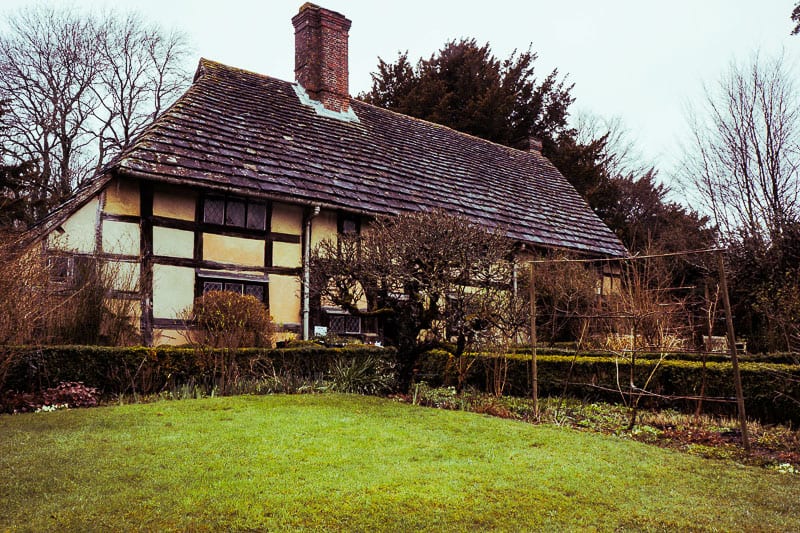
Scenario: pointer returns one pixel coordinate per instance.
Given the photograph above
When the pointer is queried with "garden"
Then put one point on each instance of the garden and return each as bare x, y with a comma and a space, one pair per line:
348, 462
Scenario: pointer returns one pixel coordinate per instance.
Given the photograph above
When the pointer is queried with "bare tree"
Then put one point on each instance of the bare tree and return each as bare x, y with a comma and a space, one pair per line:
622, 158
141, 74
48, 64
646, 314
79, 86
745, 151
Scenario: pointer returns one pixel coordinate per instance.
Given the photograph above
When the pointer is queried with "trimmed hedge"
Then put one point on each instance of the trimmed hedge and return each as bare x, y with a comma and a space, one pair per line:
772, 391
787, 358
141, 370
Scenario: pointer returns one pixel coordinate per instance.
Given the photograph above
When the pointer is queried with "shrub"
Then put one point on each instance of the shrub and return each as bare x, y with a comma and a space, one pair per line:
66, 394
229, 320
362, 375
71, 393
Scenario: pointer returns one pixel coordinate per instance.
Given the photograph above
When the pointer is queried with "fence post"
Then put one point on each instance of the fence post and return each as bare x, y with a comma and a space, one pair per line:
737, 378
534, 366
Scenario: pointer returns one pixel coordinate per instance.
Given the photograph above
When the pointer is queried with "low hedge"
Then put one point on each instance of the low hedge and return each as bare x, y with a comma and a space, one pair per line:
142, 370
772, 391
788, 358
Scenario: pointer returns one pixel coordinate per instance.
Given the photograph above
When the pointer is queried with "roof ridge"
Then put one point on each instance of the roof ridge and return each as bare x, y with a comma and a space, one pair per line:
216, 64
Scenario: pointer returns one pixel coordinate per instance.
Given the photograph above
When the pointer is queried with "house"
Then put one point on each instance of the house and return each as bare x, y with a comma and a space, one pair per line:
233, 185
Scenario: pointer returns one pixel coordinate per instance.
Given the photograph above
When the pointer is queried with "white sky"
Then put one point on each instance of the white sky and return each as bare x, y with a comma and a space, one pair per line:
642, 60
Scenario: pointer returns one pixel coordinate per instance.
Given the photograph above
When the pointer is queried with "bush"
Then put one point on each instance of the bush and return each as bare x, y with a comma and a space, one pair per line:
362, 375
66, 394
226, 319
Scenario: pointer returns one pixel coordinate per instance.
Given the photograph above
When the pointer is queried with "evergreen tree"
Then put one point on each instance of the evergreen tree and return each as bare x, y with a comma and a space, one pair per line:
16, 204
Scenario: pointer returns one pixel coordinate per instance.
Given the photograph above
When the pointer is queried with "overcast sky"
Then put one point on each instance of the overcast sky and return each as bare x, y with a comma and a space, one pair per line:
641, 60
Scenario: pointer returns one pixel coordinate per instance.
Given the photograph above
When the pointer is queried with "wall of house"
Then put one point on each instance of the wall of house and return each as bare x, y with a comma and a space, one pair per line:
106, 228
77, 233
167, 245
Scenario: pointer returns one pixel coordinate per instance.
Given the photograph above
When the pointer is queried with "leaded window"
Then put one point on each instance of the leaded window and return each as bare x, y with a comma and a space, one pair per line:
209, 286
235, 212
256, 289
344, 324
214, 211
256, 216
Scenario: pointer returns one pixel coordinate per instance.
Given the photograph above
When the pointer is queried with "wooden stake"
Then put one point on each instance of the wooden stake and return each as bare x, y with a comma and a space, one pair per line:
737, 378
534, 369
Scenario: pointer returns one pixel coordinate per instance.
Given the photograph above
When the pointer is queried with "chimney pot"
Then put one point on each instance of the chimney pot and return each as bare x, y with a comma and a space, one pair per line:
320, 55
535, 145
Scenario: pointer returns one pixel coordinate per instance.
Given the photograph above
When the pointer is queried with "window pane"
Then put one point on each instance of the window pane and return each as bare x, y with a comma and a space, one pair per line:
211, 286
256, 216
336, 324
214, 210
234, 214
238, 288
255, 290
349, 226
59, 268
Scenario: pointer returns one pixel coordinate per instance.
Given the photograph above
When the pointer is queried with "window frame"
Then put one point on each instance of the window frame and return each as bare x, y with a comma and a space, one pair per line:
203, 278
343, 219
249, 208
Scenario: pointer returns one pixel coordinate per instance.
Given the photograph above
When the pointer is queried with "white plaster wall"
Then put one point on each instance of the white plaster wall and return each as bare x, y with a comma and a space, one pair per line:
284, 299
124, 275
173, 290
79, 230
122, 197
324, 226
173, 242
171, 337
174, 203
286, 254
120, 237
287, 219
236, 250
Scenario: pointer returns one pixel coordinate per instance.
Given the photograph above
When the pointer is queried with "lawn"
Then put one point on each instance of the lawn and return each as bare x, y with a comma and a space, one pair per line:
337, 462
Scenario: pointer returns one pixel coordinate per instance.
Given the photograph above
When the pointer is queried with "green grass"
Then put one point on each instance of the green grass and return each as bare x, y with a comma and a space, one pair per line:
337, 462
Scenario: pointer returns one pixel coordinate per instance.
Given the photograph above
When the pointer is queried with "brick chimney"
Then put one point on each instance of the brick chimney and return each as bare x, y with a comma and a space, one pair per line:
535, 145
320, 55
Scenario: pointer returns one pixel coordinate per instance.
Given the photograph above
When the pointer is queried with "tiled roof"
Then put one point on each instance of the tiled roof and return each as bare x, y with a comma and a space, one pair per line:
251, 134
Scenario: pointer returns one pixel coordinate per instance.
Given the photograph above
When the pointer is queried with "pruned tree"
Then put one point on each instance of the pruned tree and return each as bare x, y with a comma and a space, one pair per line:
436, 279
78, 86
645, 314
